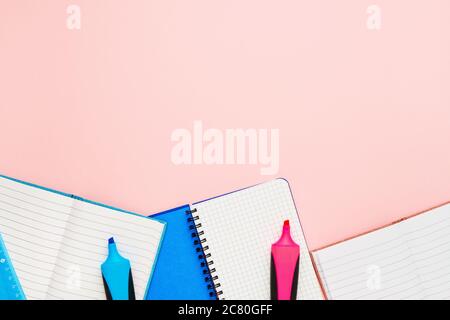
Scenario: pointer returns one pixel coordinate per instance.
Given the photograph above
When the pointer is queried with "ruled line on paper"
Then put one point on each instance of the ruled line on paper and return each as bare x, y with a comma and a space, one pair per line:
419, 246
48, 233
60, 212
59, 204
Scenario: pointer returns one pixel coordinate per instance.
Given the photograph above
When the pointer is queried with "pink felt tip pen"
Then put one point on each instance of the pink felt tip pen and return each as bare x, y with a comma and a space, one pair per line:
284, 266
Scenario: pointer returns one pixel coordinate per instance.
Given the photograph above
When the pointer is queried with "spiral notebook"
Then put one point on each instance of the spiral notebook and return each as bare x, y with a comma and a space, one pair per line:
222, 246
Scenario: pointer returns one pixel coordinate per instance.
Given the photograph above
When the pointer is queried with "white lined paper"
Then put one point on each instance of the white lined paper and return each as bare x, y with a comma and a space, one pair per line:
412, 257
57, 243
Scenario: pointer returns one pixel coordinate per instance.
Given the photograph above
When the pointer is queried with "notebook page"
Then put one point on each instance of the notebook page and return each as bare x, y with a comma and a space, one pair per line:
32, 223
77, 274
373, 266
408, 260
240, 228
428, 236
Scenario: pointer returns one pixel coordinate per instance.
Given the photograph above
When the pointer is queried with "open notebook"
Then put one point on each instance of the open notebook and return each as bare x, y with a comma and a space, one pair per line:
406, 260
230, 237
57, 242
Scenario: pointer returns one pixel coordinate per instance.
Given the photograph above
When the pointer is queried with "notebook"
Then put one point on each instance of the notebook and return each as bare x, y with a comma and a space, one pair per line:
179, 274
228, 242
409, 259
57, 241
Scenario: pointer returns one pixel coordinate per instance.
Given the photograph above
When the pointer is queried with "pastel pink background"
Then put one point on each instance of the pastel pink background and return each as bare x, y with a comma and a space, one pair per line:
364, 117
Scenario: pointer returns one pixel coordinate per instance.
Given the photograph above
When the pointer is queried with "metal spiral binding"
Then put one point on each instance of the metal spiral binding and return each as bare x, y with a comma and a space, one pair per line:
201, 248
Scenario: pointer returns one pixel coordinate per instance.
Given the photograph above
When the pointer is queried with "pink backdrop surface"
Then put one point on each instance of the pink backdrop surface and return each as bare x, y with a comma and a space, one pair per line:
364, 116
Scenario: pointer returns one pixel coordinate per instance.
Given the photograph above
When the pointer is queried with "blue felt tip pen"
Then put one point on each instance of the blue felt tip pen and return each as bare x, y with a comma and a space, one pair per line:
117, 277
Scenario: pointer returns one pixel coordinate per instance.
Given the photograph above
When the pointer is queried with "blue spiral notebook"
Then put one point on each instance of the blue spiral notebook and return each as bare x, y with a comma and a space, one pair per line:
220, 248
179, 274
57, 241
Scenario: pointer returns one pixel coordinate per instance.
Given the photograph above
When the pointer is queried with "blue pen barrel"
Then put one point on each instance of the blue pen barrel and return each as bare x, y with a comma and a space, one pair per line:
117, 277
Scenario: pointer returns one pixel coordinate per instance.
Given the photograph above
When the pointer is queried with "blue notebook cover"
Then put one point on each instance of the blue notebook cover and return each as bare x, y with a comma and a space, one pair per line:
180, 272
98, 204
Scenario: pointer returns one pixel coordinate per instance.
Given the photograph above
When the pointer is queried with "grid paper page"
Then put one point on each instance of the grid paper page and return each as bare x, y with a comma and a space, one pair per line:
240, 228
408, 260
57, 244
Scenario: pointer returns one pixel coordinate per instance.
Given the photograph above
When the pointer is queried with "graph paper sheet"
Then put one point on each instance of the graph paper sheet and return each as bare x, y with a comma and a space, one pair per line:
240, 228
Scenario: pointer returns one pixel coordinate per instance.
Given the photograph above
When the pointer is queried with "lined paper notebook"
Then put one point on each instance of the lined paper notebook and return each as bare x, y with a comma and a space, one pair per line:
57, 242
238, 230
407, 260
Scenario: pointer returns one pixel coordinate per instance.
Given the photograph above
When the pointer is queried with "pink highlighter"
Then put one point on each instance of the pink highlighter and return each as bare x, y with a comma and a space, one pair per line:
284, 266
